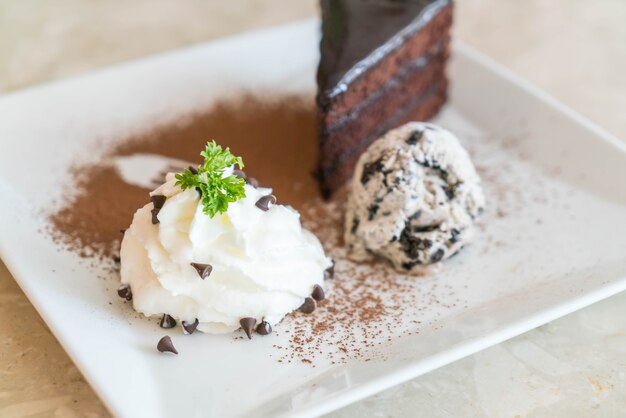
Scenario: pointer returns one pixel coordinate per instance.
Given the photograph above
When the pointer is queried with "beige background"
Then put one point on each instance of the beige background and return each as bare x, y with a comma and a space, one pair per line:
574, 49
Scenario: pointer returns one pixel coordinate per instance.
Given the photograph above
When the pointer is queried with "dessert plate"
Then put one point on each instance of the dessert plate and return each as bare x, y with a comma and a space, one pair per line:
552, 240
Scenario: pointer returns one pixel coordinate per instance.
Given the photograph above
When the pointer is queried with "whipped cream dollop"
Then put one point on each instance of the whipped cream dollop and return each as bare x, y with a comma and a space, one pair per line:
263, 263
414, 197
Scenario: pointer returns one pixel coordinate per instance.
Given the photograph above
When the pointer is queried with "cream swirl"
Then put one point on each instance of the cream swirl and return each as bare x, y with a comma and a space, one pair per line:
264, 264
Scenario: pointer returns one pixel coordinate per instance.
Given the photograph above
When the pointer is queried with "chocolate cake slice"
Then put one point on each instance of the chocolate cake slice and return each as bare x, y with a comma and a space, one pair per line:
382, 64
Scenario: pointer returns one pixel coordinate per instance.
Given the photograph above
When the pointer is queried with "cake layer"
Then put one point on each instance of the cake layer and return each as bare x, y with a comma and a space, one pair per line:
410, 81
351, 131
396, 51
410, 86
332, 176
335, 101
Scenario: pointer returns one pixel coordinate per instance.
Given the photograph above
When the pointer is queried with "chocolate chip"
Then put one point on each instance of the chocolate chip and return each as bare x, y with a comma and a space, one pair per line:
203, 269
449, 191
408, 266
239, 174
193, 169
247, 324
410, 244
426, 228
437, 256
190, 327
369, 169
167, 322
158, 201
308, 306
454, 233
355, 225
117, 259
264, 202
329, 273
165, 344
264, 328
318, 293
125, 292
415, 137
372, 210
442, 173
155, 219
252, 182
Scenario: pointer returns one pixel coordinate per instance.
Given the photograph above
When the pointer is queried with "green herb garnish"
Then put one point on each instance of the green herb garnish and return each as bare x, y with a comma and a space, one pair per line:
218, 191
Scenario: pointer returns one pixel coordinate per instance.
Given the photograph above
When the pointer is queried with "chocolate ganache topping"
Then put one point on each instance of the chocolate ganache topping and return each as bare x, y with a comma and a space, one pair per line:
359, 33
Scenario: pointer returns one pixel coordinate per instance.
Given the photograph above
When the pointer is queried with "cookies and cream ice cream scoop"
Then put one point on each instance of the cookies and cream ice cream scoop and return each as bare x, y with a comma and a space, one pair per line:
414, 197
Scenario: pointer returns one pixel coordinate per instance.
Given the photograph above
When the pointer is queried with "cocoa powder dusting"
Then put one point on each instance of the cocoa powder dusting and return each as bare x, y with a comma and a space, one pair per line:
368, 304
277, 140
365, 304
103, 206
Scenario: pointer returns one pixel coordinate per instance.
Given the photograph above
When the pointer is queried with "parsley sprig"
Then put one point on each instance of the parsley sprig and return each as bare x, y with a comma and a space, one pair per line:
218, 191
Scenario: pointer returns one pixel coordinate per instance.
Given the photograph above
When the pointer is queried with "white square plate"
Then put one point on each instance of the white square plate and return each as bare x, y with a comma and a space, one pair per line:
553, 239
